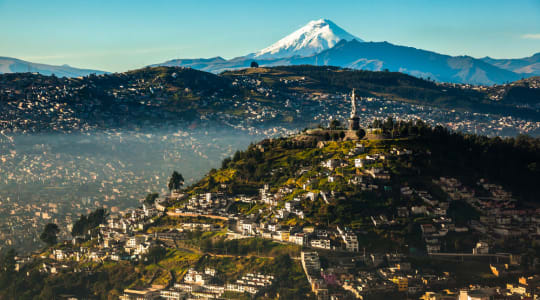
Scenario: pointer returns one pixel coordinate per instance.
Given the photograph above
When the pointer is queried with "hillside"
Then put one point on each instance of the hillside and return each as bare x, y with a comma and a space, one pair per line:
437, 153
291, 96
110, 100
394, 85
312, 193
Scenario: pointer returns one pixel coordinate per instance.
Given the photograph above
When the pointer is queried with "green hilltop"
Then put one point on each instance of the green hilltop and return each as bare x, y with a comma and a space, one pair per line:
328, 181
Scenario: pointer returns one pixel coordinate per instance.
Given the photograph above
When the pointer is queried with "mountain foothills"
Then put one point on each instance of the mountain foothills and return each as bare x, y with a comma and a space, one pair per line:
290, 96
396, 210
13, 65
323, 43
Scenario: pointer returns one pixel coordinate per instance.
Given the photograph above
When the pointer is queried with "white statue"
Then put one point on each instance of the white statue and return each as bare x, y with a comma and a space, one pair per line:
353, 103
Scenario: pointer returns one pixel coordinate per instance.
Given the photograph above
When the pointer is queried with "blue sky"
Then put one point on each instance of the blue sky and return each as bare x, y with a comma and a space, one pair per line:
122, 35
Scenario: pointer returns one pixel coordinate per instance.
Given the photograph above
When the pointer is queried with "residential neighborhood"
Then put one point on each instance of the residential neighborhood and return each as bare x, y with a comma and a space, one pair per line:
280, 215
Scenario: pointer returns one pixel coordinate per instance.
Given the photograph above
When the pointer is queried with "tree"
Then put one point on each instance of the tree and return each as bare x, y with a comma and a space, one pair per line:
176, 182
48, 236
360, 133
151, 198
334, 124
225, 163
254, 64
211, 182
79, 226
326, 136
155, 254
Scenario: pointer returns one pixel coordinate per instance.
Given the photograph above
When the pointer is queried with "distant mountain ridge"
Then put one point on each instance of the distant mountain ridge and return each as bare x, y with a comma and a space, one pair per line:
317, 44
527, 65
378, 56
14, 65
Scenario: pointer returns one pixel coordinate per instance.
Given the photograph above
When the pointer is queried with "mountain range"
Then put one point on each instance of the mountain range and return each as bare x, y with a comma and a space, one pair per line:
323, 43
527, 65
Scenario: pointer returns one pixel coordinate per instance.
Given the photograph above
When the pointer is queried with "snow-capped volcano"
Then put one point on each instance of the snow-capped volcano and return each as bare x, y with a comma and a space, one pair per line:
314, 37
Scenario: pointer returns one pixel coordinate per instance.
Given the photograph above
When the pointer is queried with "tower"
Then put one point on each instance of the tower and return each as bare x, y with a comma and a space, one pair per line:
354, 121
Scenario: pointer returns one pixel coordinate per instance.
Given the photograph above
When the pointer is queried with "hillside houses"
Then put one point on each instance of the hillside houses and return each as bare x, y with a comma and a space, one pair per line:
202, 284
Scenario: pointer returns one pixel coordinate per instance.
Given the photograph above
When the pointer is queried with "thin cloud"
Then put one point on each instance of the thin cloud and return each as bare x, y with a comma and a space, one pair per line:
531, 36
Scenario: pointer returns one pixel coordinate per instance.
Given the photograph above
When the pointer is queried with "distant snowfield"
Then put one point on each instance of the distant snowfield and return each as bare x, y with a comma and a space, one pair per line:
314, 37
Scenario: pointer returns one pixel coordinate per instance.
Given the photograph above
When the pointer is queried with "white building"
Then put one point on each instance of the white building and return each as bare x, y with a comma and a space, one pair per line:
322, 243
481, 248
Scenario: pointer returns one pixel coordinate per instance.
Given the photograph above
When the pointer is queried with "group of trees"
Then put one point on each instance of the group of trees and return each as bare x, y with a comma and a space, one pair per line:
9, 277
394, 129
335, 136
7, 267
86, 223
155, 254
511, 162
102, 283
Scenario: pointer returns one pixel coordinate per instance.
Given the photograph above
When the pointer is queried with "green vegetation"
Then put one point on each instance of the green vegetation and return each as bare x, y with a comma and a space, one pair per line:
295, 164
155, 254
292, 162
176, 181
511, 162
151, 198
107, 280
86, 223
248, 246
361, 133
48, 236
